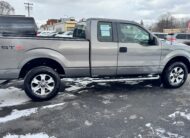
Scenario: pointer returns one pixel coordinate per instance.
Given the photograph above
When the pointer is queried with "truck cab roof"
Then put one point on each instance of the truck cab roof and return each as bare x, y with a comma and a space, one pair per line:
112, 20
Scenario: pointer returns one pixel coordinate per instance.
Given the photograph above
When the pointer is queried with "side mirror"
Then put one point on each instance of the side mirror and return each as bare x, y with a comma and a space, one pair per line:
153, 40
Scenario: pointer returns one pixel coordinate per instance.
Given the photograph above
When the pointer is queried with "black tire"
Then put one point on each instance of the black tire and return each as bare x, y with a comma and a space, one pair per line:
174, 81
36, 74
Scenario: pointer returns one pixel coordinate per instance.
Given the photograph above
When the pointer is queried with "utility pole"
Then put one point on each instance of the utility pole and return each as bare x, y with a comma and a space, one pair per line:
28, 7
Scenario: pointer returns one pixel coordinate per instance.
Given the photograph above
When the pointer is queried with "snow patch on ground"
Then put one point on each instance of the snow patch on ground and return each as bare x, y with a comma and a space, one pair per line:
124, 109
106, 102
68, 95
52, 106
39, 135
87, 123
132, 117
73, 88
108, 96
161, 132
12, 96
103, 84
18, 114
180, 114
179, 123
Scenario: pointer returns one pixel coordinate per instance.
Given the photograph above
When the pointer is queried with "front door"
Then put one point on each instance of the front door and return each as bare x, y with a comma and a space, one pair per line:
136, 55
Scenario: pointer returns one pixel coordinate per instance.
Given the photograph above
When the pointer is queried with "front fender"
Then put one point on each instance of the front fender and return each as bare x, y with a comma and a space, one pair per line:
176, 53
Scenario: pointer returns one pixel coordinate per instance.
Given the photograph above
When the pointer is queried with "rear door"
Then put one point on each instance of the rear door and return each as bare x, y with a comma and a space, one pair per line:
104, 48
136, 54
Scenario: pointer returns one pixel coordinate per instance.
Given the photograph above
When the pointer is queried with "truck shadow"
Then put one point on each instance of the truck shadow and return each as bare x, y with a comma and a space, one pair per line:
115, 87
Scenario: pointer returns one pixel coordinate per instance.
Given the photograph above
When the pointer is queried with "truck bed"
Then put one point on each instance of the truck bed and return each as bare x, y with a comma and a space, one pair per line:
71, 53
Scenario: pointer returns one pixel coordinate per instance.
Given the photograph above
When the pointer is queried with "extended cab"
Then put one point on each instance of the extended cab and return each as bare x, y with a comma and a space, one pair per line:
105, 49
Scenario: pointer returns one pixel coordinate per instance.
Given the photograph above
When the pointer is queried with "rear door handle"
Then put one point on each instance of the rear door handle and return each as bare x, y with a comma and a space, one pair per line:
123, 49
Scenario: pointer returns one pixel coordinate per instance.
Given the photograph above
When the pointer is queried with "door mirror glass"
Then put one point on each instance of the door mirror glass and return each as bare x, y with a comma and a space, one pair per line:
153, 40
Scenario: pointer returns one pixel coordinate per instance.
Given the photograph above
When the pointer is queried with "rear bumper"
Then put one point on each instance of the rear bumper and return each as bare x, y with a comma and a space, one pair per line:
9, 74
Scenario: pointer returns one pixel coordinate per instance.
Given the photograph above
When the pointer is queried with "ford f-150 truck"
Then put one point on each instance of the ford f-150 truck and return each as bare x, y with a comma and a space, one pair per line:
104, 49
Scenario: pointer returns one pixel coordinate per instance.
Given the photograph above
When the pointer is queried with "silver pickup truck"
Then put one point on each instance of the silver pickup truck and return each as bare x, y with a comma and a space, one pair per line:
104, 49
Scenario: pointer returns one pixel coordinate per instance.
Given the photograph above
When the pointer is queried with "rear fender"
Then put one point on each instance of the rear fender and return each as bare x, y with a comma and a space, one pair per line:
43, 53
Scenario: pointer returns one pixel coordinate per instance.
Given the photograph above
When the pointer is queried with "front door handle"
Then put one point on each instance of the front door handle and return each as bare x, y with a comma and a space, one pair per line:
123, 49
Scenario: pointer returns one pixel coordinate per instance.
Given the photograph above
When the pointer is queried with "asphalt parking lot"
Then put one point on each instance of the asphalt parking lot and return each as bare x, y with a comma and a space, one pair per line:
103, 110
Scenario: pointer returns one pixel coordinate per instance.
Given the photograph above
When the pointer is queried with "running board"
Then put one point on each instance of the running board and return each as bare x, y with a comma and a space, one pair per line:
128, 79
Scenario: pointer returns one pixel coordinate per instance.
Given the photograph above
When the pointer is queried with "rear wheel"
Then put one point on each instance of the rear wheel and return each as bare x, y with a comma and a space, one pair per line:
175, 75
42, 83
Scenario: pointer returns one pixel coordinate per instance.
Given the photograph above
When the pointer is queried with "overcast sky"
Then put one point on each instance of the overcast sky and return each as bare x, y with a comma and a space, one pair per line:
146, 10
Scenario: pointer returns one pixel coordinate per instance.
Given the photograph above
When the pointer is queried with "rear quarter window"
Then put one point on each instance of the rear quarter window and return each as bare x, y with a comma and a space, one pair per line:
105, 32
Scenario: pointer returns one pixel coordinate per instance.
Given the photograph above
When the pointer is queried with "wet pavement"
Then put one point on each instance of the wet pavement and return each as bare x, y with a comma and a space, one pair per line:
102, 110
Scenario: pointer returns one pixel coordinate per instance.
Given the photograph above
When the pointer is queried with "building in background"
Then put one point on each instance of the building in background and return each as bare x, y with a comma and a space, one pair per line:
172, 31
61, 25
49, 25
52, 21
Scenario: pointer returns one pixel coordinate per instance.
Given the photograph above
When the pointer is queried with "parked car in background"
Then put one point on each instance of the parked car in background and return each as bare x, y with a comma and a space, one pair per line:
17, 26
47, 34
161, 36
68, 34
179, 38
59, 34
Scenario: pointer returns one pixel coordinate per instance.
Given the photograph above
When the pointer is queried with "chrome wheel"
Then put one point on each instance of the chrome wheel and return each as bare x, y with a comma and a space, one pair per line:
42, 84
177, 76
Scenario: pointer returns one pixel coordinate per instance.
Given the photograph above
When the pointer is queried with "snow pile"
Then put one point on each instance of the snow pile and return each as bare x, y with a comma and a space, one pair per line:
39, 135
12, 96
180, 114
161, 132
77, 83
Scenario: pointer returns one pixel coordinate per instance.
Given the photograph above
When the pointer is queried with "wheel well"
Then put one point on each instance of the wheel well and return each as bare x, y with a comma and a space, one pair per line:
41, 62
177, 59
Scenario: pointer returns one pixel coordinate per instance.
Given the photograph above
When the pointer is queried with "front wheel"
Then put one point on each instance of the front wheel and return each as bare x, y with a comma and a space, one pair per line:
175, 75
42, 83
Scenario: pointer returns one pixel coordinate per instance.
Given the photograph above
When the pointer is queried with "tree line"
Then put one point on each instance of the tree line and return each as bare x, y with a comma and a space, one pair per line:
6, 8
167, 21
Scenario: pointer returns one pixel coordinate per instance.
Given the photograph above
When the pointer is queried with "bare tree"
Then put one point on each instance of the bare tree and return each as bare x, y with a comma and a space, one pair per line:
6, 8
166, 21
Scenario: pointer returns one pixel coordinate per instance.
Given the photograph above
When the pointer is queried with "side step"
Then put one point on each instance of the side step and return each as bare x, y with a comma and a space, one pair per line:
128, 79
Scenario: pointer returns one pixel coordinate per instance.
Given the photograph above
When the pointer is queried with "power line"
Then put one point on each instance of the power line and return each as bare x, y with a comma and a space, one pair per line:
29, 7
